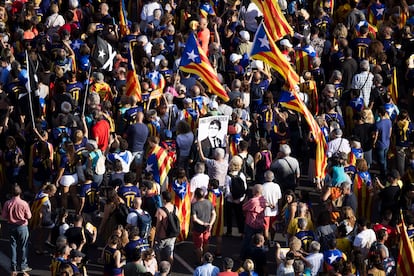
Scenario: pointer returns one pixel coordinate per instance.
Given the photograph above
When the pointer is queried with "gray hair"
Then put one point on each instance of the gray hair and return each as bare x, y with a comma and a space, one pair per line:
364, 65
336, 75
257, 189
218, 153
199, 167
314, 246
269, 176
285, 149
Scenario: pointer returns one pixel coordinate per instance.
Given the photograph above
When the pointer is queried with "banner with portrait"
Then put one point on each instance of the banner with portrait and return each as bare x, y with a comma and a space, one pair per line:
212, 132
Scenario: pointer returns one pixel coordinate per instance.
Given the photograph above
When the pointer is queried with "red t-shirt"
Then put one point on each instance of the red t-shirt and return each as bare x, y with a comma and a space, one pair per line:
204, 39
100, 131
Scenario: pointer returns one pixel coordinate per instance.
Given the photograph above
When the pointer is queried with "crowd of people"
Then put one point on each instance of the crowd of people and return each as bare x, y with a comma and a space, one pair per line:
101, 164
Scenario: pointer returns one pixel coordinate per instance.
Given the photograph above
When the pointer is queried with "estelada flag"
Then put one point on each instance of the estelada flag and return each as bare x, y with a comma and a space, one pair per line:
159, 164
405, 263
292, 101
274, 19
265, 49
133, 87
363, 191
393, 87
181, 198
195, 61
123, 23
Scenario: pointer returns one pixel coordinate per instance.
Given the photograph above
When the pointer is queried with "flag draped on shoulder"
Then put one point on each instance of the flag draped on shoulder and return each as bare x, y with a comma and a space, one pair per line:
133, 87
159, 164
291, 100
195, 61
405, 263
36, 208
393, 87
123, 22
104, 54
265, 49
274, 19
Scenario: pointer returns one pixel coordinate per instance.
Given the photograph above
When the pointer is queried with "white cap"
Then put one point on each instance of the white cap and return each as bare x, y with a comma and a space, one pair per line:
285, 42
257, 64
235, 57
213, 105
245, 35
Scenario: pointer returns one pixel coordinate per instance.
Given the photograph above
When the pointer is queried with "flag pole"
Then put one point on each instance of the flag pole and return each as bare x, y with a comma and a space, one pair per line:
29, 89
86, 90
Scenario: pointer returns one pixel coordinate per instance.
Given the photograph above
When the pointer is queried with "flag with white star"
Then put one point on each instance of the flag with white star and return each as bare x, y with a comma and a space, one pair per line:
158, 164
266, 50
195, 61
104, 54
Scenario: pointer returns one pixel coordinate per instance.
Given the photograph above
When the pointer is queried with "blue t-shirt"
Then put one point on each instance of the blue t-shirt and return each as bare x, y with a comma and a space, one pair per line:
137, 135
383, 127
89, 192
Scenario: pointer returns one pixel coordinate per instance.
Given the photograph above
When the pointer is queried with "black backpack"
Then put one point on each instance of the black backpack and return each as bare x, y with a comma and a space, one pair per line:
121, 213
237, 187
173, 224
247, 169
144, 222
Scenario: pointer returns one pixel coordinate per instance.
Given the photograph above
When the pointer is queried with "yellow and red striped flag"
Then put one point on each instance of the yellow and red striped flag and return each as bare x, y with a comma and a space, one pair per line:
393, 87
364, 194
216, 197
159, 164
405, 263
266, 50
123, 22
292, 101
133, 87
181, 198
274, 19
403, 19
195, 61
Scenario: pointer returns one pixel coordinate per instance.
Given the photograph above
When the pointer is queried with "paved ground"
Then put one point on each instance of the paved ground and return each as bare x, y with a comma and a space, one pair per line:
184, 254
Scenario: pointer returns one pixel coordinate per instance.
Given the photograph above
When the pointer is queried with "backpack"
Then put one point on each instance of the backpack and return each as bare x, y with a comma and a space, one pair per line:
247, 168
121, 213
333, 121
63, 137
266, 156
144, 222
237, 187
173, 224
100, 165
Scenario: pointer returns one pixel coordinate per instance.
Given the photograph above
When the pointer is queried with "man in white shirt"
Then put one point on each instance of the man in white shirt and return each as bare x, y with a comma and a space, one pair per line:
363, 81
272, 194
200, 179
365, 238
315, 258
338, 144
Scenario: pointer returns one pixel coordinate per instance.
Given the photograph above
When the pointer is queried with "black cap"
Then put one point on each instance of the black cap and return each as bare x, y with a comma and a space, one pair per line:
76, 253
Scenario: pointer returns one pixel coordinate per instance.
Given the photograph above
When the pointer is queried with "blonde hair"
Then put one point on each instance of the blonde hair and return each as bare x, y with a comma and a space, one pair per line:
235, 164
367, 116
295, 244
248, 265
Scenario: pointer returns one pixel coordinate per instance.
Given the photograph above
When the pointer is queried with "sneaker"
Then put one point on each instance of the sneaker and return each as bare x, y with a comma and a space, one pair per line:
27, 269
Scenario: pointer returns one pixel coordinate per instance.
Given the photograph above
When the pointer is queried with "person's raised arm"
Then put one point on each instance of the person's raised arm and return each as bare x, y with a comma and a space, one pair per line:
200, 151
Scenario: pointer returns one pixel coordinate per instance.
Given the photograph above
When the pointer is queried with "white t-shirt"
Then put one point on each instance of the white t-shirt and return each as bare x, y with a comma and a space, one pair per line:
199, 180
272, 194
364, 240
316, 261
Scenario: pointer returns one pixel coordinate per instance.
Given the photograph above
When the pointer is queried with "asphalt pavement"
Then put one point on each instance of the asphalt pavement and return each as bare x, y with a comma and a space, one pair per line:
184, 263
